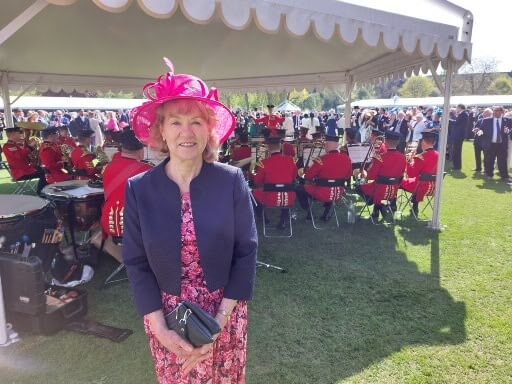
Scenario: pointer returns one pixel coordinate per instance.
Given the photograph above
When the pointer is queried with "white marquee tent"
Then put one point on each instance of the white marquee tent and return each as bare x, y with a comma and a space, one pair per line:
232, 44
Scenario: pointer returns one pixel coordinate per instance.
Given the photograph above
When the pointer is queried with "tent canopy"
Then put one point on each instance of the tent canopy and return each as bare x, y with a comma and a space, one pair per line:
470, 100
233, 44
287, 106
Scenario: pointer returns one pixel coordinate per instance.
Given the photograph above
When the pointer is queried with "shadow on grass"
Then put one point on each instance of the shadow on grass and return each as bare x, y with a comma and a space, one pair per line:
497, 186
350, 299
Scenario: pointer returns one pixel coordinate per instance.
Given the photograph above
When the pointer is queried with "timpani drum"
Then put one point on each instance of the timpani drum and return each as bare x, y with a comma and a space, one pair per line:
31, 219
77, 204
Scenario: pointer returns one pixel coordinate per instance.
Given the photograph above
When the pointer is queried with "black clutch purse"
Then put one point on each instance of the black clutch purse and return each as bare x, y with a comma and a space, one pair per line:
193, 324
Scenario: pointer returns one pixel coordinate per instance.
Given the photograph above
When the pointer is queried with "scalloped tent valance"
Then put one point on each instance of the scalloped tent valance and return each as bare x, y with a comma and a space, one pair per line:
233, 44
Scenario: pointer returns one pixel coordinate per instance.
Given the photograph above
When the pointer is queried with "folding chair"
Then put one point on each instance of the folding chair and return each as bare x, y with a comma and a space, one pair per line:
391, 184
428, 180
337, 194
283, 203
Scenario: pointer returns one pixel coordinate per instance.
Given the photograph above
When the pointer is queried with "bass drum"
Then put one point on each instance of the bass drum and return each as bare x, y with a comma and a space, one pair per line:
29, 218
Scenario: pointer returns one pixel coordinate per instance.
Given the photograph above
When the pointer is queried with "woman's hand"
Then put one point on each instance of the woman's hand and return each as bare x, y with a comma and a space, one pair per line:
174, 343
196, 356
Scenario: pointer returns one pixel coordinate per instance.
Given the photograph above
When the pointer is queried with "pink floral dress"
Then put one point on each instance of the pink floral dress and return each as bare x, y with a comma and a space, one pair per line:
227, 364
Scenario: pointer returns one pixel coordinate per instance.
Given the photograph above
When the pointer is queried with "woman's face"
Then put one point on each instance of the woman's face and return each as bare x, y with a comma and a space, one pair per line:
186, 133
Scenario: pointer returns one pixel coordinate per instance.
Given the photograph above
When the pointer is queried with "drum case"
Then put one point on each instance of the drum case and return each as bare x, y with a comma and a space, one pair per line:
23, 283
27, 306
53, 318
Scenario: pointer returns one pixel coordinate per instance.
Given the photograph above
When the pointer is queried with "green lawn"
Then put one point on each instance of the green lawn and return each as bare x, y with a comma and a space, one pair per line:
359, 304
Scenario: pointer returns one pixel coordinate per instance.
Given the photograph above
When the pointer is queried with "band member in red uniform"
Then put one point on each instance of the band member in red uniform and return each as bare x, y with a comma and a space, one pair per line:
334, 165
240, 149
276, 169
115, 177
377, 139
20, 158
65, 137
270, 120
51, 156
391, 164
424, 163
82, 158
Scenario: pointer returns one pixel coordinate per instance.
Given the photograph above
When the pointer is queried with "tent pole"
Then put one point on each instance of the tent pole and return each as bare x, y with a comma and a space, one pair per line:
7, 102
22, 19
436, 220
349, 86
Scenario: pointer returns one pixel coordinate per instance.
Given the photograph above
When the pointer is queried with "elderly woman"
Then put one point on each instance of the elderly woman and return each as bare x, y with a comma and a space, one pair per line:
189, 232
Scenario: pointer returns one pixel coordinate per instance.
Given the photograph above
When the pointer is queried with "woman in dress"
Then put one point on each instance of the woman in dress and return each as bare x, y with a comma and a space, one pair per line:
189, 232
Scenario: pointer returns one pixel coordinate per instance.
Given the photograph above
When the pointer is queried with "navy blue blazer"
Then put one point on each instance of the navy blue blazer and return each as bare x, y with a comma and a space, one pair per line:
225, 229
487, 126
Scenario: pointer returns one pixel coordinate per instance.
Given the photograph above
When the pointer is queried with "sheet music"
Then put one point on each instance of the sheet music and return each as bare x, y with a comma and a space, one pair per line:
357, 153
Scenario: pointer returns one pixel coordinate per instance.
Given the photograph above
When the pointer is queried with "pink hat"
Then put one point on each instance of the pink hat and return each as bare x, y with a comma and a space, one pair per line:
177, 87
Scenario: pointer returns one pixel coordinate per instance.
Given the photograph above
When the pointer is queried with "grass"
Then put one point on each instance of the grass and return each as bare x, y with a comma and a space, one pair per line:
359, 304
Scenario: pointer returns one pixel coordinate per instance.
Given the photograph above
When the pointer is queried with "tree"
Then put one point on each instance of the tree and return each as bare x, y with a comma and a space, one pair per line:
418, 86
482, 73
313, 102
298, 97
501, 86
388, 89
363, 93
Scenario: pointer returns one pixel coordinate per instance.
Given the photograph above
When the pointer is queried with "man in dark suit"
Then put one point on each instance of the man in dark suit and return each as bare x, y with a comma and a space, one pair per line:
494, 134
400, 126
80, 123
459, 133
477, 142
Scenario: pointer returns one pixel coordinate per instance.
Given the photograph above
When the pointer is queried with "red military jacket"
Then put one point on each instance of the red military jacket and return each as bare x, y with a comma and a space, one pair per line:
115, 178
51, 159
277, 169
18, 158
82, 159
289, 149
331, 166
68, 141
240, 151
272, 122
391, 164
423, 163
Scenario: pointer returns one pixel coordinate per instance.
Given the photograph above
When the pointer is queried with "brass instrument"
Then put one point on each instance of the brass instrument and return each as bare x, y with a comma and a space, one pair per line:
33, 143
360, 174
316, 145
101, 156
410, 150
261, 154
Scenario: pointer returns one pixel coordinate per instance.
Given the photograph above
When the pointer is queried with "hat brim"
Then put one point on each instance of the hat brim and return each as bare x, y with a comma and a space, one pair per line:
144, 117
